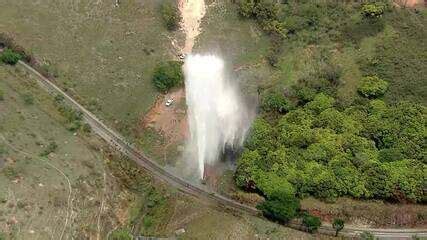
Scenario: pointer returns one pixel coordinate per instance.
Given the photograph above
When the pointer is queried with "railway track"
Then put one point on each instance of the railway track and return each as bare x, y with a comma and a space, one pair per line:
119, 143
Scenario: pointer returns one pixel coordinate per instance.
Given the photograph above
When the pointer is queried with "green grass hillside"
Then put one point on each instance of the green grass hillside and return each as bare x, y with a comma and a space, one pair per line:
103, 55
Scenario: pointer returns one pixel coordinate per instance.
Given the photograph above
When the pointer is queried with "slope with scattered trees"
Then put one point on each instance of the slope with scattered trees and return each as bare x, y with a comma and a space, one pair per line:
310, 141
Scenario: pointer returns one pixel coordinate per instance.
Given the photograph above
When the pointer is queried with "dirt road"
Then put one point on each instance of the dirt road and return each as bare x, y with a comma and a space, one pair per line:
192, 12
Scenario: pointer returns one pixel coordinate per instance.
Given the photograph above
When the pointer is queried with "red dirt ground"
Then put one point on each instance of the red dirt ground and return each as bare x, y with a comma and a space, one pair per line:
170, 121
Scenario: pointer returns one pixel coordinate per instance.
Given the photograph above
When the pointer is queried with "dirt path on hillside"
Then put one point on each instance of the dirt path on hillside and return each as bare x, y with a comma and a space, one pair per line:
192, 12
171, 122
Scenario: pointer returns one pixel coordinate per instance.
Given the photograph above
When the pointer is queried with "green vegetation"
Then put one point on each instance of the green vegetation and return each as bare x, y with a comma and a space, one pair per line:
275, 102
170, 15
10, 57
120, 234
367, 236
372, 87
365, 151
312, 223
280, 206
338, 225
50, 148
373, 10
1, 95
399, 56
28, 99
167, 75
113, 61
318, 137
74, 117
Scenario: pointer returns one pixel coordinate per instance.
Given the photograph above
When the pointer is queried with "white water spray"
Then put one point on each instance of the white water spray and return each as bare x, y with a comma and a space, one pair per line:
217, 115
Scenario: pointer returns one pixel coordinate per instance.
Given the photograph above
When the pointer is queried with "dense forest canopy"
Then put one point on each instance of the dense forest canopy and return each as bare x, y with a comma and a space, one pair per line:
310, 140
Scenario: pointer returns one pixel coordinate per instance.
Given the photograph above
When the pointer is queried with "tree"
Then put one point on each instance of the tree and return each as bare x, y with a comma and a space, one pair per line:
320, 103
120, 234
247, 169
372, 86
167, 75
170, 15
270, 184
407, 178
332, 119
312, 223
10, 57
261, 137
338, 225
280, 206
378, 182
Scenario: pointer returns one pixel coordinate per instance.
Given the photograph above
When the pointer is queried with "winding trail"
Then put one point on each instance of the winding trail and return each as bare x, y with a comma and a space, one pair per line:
118, 142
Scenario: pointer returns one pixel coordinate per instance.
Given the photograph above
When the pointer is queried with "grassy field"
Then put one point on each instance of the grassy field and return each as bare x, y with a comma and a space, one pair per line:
103, 55
47, 192
81, 190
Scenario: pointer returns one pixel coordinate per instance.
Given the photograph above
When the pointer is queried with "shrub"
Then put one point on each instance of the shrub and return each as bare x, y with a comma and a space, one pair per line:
10, 57
372, 86
50, 148
304, 94
373, 10
86, 128
170, 15
1, 95
312, 223
338, 225
367, 236
280, 206
167, 75
28, 99
275, 102
121, 234
246, 7
320, 103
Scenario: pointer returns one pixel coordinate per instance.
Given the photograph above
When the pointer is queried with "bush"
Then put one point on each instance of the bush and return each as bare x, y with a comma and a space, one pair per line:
50, 148
10, 57
280, 206
121, 234
320, 103
373, 10
170, 15
312, 223
372, 86
86, 128
367, 236
275, 102
1, 95
28, 99
338, 225
167, 75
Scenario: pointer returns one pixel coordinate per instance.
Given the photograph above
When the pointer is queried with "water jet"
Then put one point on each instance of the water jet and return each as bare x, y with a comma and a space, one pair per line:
217, 115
